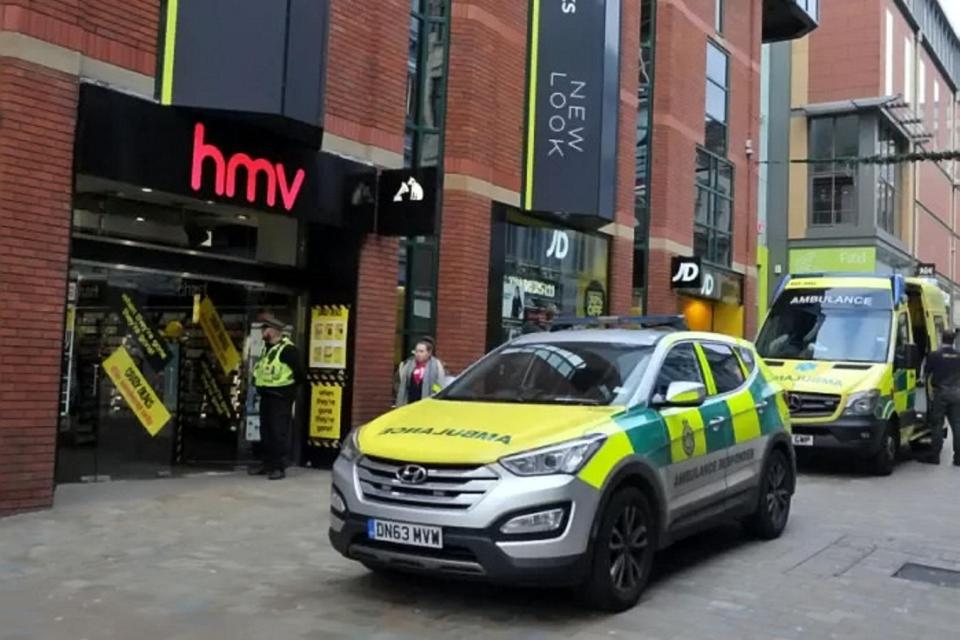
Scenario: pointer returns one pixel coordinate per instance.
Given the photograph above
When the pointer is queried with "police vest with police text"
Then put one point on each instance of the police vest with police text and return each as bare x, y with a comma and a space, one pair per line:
270, 371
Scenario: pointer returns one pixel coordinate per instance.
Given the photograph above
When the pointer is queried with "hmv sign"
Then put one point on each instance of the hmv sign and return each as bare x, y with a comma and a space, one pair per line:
200, 155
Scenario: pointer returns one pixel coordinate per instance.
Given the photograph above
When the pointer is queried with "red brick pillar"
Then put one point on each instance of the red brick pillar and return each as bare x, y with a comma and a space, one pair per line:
463, 279
37, 122
376, 328
621, 247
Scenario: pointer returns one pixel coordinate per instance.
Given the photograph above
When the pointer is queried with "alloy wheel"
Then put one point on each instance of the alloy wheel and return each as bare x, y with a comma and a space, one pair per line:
778, 492
628, 544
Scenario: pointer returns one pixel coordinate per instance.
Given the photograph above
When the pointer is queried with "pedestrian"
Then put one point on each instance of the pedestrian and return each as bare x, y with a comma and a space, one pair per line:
943, 379
421, 375
277, 376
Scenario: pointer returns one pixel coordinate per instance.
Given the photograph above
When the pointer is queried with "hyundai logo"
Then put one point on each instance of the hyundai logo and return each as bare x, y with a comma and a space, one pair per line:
412, 474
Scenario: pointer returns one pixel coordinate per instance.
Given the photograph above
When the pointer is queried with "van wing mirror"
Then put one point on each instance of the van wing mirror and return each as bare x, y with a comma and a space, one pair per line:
907, 357
685, 394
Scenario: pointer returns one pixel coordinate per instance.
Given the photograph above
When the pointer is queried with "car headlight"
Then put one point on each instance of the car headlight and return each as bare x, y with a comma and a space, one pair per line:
350, 449
568, 457
862, 403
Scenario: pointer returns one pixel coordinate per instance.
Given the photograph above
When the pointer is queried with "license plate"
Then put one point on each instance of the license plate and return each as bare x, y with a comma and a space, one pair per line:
802, 440
415, 535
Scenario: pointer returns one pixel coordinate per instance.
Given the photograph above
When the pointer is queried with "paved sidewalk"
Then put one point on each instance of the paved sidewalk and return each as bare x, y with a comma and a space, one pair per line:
236, 557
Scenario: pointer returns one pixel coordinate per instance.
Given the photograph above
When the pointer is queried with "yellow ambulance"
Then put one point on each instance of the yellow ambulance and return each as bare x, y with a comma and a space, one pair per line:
848, 349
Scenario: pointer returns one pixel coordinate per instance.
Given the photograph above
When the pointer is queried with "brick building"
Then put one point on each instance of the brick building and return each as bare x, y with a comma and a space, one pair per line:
134, 260
879, 77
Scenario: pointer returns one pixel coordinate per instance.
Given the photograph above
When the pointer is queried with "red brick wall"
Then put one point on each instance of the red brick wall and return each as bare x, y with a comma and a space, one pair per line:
621, 249
36, 178
849, 42
485, 91
484, 138
121, 32
464, 268
365, 92
376, 326
367, 71
683, 28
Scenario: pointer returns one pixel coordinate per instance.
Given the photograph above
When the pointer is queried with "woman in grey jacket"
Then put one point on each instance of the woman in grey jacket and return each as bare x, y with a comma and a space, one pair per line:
421, 375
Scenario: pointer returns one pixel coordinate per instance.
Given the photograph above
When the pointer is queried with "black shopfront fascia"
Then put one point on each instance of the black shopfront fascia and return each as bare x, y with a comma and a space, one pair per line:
129, 141
503, 217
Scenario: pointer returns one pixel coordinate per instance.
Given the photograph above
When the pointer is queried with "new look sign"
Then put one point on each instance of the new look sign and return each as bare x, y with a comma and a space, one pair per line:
573, 94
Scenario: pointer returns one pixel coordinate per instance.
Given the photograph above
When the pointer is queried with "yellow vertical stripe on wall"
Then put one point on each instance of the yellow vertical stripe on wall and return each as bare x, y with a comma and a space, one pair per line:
169, 49
532, 102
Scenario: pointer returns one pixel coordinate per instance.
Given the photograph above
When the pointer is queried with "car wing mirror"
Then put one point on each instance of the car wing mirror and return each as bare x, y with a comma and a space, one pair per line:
684, 394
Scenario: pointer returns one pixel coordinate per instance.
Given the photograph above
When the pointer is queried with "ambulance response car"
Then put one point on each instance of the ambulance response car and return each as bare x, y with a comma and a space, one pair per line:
848, 349
569, 458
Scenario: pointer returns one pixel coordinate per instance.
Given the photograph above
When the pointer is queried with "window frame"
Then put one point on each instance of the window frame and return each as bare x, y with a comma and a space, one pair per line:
889, 179
838, 215
714, 194
725, 87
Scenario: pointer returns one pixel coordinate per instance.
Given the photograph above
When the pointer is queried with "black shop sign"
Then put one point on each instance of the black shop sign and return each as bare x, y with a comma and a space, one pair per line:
573, 88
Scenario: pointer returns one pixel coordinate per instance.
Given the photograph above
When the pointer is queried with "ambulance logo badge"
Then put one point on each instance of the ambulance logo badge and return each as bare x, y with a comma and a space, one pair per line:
689, 444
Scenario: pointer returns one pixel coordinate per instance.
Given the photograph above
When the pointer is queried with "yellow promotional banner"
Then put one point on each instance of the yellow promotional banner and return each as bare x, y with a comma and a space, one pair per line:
325, 403
328, 337
133, 386
217, 335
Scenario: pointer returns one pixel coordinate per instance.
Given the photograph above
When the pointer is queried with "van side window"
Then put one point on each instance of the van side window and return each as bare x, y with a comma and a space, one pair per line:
903, 332
940, 326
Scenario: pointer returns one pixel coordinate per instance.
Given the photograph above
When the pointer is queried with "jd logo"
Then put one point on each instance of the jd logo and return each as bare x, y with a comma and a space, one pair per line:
709, 285
559, 245
411, 189
686, 273
689, 444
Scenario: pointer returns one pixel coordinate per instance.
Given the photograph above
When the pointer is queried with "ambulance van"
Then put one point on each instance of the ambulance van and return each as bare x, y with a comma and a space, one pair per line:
849, 349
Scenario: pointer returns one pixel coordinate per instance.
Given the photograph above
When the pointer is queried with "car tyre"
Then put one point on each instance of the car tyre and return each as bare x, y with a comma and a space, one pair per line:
883, 462
623, 553
776, 492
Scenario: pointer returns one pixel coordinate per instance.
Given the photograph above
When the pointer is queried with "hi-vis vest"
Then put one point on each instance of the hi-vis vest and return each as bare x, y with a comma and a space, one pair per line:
270, 371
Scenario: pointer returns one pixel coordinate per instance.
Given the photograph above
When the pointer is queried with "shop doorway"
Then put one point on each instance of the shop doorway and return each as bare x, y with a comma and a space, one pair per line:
208, 401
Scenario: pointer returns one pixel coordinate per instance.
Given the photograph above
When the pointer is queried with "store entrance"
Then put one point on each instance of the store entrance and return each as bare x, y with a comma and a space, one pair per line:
204, 339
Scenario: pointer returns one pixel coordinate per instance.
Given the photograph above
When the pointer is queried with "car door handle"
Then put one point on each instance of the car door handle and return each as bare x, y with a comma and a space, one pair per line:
762, 405
716, 422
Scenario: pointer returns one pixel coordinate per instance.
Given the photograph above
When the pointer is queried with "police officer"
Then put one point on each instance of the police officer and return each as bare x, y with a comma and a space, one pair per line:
943, 376
277, 376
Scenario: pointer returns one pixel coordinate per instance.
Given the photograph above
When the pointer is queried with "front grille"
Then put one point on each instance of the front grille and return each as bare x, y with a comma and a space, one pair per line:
446, 486
813, 405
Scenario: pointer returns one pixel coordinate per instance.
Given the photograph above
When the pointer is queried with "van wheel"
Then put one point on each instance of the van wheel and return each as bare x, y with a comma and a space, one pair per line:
883, 462
622, 553
776, 491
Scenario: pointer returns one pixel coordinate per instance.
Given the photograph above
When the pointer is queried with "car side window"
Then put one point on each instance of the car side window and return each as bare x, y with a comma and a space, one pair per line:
749, 361
727, 373
680, 365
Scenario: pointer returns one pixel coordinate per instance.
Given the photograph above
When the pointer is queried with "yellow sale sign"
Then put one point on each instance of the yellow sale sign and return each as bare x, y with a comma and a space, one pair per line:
139, 395
220, 341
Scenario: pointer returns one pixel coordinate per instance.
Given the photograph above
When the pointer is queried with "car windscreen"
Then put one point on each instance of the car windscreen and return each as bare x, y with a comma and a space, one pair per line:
577, 373
835, 324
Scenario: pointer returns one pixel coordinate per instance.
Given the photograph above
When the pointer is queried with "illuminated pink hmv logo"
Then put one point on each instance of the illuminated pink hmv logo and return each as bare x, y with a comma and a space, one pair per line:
258, 171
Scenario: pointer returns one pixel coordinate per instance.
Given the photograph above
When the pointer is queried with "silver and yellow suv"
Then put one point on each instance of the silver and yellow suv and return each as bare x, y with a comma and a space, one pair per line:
570, 457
